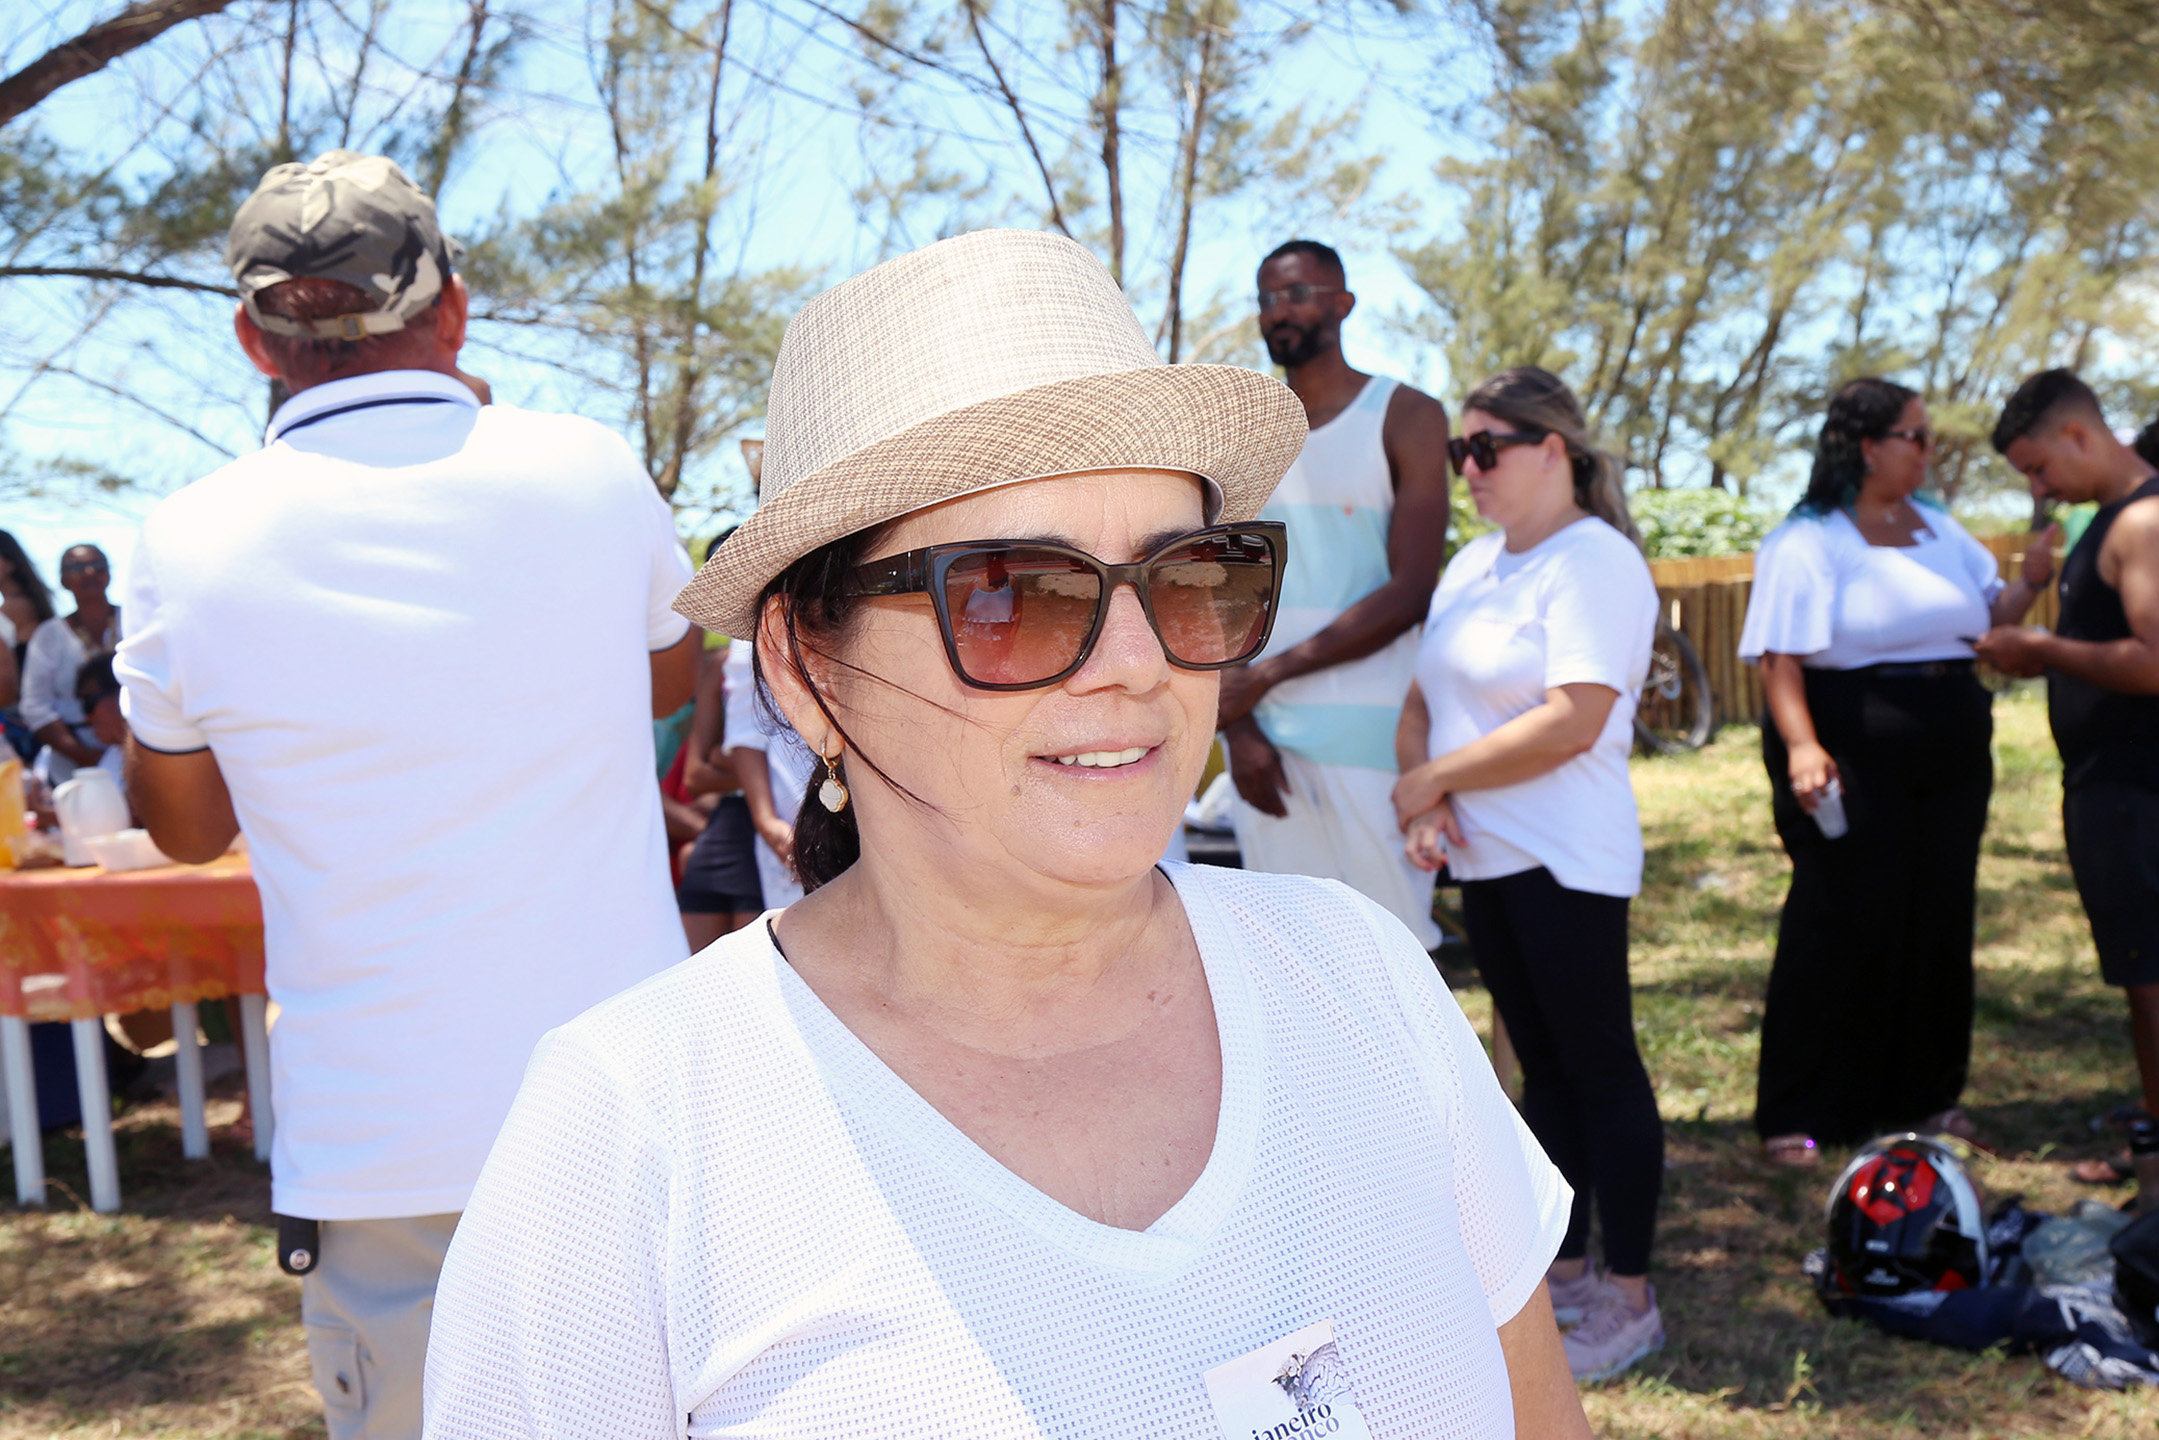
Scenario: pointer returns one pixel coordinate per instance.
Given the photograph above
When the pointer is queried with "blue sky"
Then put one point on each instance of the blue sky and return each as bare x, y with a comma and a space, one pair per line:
800, 156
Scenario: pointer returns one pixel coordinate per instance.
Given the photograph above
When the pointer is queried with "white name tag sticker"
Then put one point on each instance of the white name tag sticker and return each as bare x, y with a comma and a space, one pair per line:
1294, 1388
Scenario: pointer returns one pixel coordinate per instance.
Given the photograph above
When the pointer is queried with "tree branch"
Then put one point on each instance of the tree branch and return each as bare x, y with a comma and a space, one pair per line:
96, 48
124, 277
134, 399
452, 128
1019, 113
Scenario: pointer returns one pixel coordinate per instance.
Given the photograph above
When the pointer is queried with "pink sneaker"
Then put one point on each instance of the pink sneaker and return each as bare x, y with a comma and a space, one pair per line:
1613, 1336
1571, 1299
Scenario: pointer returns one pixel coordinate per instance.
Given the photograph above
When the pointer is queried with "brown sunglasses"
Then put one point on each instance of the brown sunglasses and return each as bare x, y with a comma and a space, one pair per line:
1025, 614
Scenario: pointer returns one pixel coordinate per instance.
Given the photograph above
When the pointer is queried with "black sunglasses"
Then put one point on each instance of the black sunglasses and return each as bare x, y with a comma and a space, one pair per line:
1294, 294
1025, 614
1484, 446
1920, 436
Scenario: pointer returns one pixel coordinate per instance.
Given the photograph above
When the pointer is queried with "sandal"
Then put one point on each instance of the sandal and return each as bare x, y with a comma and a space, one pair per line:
2114, 1169
1797, 1152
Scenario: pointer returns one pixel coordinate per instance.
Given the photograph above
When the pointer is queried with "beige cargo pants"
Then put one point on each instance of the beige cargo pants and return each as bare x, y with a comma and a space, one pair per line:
367, 1305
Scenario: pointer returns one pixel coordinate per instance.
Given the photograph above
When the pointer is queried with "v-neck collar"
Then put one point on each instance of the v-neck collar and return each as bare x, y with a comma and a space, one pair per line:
868, 1089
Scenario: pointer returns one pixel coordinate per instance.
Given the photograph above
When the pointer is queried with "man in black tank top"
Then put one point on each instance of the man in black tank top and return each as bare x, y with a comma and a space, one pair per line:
2102, 669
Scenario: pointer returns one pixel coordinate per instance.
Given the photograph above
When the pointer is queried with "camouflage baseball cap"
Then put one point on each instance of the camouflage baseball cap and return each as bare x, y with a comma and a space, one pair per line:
341, 216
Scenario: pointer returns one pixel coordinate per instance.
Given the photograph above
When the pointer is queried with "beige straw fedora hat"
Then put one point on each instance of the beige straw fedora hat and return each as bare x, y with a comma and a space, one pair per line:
989, 358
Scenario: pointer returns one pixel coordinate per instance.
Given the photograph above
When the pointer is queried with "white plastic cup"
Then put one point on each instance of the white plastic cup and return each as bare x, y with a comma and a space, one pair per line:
1829, 811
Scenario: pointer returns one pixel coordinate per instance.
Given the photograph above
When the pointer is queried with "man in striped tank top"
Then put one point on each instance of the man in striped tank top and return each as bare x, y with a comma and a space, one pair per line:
1310, 724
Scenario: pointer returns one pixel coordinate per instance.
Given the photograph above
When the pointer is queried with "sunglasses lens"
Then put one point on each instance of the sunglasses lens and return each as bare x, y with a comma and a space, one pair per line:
1212, 599
1480, 447
1019, 616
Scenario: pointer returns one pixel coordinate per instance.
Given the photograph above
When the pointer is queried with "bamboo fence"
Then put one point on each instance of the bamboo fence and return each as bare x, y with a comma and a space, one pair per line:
1707, 600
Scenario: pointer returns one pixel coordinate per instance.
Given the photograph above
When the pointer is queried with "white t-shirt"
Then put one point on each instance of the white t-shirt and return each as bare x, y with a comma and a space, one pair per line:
49, 668
715, 1212
788, 765
1503, 629
415, 634
1821, 592
113, 761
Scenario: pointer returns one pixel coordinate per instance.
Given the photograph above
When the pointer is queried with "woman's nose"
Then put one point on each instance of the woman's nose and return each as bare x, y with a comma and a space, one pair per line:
1127, 652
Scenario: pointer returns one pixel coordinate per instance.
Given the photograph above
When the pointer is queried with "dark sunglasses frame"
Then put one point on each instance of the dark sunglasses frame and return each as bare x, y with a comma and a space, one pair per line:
1922, 436
1269, 298
1484, 446
923, 572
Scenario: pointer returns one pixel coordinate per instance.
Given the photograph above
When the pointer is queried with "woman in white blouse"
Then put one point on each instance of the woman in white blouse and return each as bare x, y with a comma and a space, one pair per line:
1865, 602
1005, 1131
1513, 749
57, 650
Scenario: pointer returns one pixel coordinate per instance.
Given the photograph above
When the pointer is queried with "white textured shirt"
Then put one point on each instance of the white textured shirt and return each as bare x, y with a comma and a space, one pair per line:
715, 1212
415, 634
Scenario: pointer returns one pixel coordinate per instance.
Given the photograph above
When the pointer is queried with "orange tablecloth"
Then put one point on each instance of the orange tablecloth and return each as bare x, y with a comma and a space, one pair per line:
80, 943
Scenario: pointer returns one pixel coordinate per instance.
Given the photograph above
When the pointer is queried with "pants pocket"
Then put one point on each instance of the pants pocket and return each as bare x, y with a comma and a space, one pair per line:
334, 1353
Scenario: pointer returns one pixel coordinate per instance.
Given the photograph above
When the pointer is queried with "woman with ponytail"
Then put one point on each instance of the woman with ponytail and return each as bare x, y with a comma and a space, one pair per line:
1513, 749
1865, 601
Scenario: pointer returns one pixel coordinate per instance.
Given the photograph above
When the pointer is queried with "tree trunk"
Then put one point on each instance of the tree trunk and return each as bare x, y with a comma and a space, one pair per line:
1109, 104
1188, 187
690, 371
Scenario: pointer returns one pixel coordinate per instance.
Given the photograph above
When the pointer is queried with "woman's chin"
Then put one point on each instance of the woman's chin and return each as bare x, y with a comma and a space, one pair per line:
1113, 853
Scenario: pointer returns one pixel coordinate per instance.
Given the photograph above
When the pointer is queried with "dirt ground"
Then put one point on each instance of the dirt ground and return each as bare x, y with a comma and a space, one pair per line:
172, 1318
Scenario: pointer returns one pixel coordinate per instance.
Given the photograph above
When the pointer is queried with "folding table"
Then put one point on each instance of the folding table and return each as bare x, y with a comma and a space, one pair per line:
81, 944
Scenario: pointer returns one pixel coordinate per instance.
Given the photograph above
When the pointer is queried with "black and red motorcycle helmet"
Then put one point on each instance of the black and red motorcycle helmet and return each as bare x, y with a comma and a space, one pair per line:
1904, 1217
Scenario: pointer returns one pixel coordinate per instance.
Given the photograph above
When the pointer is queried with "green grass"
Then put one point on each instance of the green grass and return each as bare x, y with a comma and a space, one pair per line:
1750, 1352
172, 1319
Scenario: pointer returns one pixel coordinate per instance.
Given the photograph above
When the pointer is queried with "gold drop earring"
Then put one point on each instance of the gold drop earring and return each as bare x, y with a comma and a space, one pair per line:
833, 793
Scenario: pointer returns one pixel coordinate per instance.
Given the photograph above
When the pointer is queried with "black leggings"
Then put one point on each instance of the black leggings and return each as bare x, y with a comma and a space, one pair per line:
1556, 963
1868, 1022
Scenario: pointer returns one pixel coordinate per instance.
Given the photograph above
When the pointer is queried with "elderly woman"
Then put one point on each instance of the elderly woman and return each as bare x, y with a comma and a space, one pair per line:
1004, 1130
1865, 603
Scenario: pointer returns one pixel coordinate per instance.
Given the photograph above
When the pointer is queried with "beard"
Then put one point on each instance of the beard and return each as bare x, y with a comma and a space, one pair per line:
1290, 345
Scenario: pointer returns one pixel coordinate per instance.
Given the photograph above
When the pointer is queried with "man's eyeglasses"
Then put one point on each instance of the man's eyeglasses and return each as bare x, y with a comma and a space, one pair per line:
1919, 435
1484, 446
1294, 295
1024, 614
83, 567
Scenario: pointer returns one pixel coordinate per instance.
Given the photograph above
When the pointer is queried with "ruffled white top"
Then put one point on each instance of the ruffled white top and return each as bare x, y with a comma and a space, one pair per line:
1821, 592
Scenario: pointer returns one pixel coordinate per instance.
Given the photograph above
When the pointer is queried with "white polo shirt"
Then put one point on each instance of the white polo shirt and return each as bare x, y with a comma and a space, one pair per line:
414, 632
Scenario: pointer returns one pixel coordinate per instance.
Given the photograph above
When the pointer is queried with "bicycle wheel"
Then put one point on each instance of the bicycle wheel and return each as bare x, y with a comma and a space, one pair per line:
1677, 711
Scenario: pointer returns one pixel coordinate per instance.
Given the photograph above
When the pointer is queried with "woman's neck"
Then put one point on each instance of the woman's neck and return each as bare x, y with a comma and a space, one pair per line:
1878, 509
1000, 964
1532, 531
93, 615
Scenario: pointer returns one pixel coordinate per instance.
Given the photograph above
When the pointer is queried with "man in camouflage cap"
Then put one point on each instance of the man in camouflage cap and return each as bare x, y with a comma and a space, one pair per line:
458, 849
348, 217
